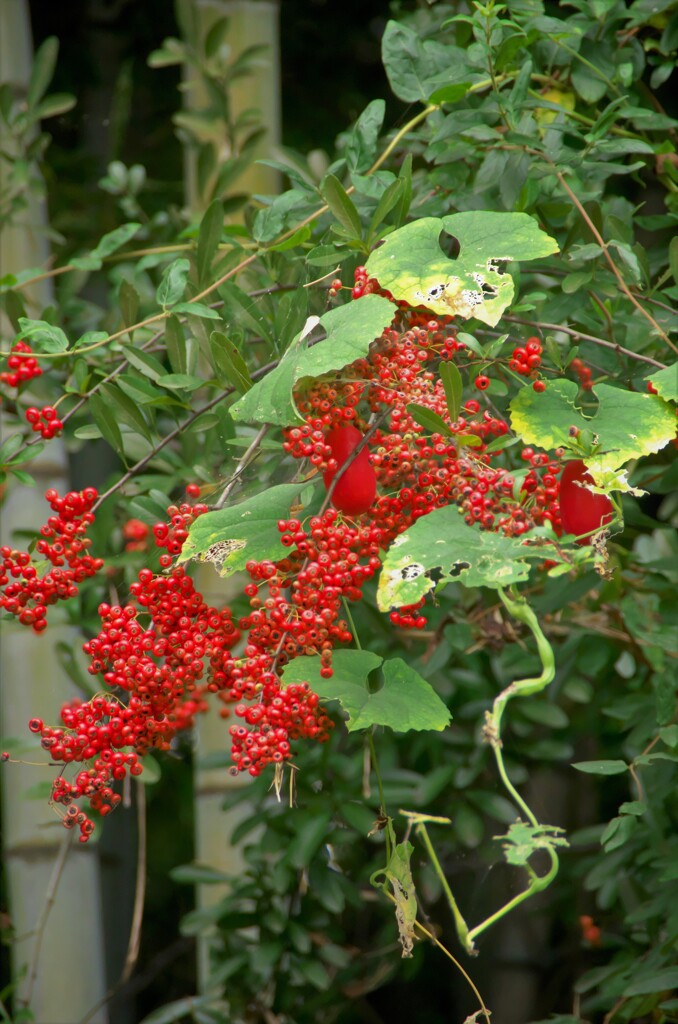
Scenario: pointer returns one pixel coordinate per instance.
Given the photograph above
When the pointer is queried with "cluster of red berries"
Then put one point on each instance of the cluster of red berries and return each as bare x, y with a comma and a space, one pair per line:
25, 591
44, 421
364, 285
135, 534
167, 649
526, 361
584, 373
166, 666
22, 366
172, 535
590, 931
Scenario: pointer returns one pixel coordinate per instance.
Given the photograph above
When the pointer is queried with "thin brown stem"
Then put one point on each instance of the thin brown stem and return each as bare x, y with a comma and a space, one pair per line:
251, 453
50, 899
171, 436
611, 263
574, 333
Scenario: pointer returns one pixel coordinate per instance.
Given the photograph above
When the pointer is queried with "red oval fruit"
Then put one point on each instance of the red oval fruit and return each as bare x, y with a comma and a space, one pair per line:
581, 511
356, 488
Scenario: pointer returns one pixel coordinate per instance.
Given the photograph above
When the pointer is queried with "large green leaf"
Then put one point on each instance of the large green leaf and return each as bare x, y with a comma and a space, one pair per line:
405, 701
666, 380
231, 536
351, 329
413, 267
443, 544
627, 425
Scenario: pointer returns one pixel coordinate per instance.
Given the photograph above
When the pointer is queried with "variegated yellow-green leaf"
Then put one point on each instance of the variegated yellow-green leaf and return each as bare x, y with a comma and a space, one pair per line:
627, 425
443, 544
412, 265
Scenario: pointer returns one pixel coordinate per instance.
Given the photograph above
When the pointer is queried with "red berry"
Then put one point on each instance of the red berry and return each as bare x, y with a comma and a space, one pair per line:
193, 490
539, 386
356, 489
482, 382
581, 511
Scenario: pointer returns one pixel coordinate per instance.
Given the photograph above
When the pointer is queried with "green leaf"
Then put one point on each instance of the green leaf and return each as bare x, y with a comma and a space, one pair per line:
181, 382
443, 542
228, 362
405, 702
9, 446
673, 257
627, 425
361, 147
413, 267
270, 222
336, 197
198, 874
129, 300
90, 338
601, 767
176, 345
454, 388
522, 840
351, 329
666, 381
177, 1010
231, 537
416, 70
428, 419
196, 309
656, 981
398, 874
144, 362
450, 93
390, 198
105, 419
109, 244
44, 62
57, 103
127, 409
173, 283
44, 337
209, 236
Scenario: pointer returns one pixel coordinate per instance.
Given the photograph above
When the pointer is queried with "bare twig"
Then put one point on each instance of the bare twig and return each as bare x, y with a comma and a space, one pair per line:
574, 333
612, 265
249, 456
50, 899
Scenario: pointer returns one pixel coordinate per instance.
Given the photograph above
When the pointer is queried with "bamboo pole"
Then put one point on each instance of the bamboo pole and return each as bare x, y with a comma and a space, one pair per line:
53, 889
251, 22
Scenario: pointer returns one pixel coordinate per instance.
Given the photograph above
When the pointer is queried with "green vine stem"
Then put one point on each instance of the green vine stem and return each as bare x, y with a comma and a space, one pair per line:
520, 610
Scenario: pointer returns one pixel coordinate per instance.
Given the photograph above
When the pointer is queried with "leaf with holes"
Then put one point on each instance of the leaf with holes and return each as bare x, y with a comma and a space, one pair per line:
405, 702
628, 424
231, 537
413, 267
350, 330
443, 546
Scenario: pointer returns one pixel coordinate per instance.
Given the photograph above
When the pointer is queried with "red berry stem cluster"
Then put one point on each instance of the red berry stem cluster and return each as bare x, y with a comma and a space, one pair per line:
22, 366
26, 591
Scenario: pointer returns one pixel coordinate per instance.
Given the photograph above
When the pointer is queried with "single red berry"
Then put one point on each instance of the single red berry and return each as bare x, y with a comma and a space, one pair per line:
193, 490
356, 488
482, 382
581, 510
539, 386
